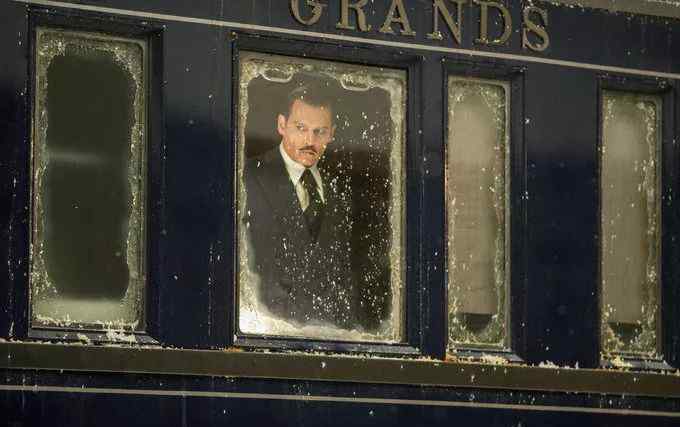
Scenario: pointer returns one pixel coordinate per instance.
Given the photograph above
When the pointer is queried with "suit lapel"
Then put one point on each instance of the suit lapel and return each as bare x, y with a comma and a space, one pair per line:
276, 184
280, 192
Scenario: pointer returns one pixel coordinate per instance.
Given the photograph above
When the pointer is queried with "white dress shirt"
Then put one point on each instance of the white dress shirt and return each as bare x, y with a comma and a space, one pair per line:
295, 171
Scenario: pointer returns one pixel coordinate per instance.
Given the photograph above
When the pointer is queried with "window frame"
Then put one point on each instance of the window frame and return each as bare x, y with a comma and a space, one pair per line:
413, 289
515, 299
153, 173
668, 313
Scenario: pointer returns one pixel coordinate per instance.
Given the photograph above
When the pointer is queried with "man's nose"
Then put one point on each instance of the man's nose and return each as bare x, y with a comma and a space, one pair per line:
309, 136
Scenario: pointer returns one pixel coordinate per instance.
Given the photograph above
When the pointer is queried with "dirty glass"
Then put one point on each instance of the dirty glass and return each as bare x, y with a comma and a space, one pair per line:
477, 220
321, 199
87, 249
630, 225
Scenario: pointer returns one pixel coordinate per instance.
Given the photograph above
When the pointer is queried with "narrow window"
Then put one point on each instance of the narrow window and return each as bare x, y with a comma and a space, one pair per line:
87, 253
630, 222
321, 199
477, 188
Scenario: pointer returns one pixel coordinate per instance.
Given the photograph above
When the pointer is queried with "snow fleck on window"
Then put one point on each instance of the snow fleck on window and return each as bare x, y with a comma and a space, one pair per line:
87, 252
630, 222
477, 190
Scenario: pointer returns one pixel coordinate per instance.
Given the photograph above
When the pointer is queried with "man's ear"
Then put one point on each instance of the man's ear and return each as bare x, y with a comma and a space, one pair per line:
281, 124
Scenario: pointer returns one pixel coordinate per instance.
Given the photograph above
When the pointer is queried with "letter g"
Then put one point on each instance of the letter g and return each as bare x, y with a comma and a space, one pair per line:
317, 11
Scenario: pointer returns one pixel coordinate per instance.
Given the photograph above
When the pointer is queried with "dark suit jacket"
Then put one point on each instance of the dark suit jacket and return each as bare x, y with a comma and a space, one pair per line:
303, 279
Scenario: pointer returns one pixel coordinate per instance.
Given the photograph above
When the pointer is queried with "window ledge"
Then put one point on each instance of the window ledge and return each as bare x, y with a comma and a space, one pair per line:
319, 367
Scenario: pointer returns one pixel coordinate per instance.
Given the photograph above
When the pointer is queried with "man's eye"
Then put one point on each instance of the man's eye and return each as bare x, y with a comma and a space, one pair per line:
300, 128
321, 132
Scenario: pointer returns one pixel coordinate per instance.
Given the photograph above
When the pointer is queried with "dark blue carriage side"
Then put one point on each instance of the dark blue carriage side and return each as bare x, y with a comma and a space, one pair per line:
191, 226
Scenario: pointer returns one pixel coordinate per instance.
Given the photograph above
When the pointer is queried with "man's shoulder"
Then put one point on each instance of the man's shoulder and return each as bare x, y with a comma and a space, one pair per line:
263, 166
263, 159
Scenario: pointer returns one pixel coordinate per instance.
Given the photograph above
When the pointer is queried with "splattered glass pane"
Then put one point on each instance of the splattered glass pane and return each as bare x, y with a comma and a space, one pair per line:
321, 199
630, 222
477, 183
88, 181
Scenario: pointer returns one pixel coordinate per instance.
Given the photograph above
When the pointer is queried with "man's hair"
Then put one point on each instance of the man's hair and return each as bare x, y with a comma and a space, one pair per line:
314, 91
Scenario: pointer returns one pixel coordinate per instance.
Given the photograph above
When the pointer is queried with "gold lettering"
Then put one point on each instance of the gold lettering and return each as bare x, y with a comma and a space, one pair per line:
345, 6
439, 8
402, 19
541, 31
317, 11
484, 23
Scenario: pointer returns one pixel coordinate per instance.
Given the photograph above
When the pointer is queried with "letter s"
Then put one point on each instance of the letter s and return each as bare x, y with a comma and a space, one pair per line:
539, 30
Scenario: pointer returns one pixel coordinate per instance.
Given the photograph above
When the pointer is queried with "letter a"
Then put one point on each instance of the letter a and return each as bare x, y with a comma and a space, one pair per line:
402, 19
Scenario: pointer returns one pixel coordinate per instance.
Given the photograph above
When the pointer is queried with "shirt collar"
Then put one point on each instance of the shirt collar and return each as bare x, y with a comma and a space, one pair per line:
295, 169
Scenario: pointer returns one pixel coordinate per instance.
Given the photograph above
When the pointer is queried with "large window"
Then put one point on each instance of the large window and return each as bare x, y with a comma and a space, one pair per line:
321, 199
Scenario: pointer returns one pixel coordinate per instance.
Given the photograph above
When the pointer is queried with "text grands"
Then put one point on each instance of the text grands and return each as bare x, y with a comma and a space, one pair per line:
534, 20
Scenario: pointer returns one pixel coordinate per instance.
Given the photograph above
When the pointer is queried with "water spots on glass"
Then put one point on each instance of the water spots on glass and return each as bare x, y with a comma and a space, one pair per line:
630, 223
88, 184
477, 191
346, 282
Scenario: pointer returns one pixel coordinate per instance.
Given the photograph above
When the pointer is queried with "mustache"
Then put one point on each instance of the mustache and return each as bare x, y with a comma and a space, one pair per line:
309, 148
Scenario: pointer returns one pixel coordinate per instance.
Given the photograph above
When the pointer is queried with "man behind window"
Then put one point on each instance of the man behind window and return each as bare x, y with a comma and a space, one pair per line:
300, 218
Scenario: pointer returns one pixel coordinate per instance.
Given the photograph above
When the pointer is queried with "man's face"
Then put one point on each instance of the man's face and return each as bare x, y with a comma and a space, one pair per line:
306, 132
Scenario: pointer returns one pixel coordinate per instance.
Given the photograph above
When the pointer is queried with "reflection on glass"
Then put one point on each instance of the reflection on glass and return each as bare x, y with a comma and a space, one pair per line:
477, 182
320, 187
630, 222
88, 181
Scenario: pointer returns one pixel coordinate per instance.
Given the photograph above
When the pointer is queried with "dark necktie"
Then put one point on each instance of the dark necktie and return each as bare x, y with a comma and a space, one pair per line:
314, 212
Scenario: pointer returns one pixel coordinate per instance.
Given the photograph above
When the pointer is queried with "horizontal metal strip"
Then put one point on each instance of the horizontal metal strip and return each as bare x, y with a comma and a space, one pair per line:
334, 399
664, 8
338, 368
338, 37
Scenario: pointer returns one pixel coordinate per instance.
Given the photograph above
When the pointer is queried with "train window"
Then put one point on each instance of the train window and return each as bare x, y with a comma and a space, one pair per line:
321, 199
478, 228
630, 222
88, 201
